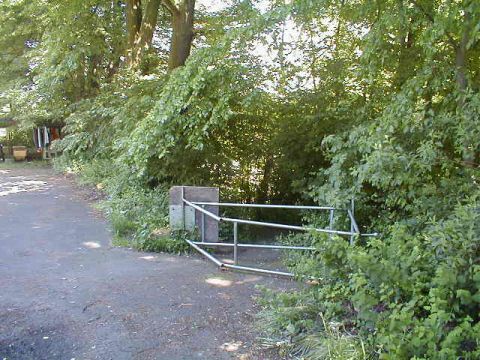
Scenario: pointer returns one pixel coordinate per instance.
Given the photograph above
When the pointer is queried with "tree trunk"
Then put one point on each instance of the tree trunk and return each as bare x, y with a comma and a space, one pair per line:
460, 63
92, 84
140, 29
182, 33
143, 42
406, 53
262, 189
469, 154
134, 21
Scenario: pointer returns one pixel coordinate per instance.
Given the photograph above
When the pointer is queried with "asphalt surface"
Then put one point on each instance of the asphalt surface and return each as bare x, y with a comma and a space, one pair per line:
66, 293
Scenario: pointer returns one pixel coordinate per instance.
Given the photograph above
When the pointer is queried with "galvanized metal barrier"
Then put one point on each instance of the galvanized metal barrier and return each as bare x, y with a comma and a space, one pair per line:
353, 234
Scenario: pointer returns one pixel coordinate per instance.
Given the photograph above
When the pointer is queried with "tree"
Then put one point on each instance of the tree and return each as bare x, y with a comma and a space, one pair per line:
23, 25
182, 31
373, 99
141, 26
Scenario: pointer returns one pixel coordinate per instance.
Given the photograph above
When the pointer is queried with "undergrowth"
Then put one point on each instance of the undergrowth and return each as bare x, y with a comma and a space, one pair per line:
412, 294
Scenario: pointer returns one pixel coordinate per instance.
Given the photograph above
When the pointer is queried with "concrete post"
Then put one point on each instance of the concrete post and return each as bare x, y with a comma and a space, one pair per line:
185, 217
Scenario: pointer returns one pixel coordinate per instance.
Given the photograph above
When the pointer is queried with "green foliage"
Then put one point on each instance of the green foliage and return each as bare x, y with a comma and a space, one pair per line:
203, 121
413, 168
19, 137
408, 296
174, 243
377, 100
22, 27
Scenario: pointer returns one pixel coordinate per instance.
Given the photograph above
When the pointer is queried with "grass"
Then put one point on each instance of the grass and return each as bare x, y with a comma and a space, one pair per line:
124, 228
11, 164
172, 243
121, 242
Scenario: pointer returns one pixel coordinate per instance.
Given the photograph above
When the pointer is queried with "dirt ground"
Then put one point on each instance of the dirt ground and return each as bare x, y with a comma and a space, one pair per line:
66, 293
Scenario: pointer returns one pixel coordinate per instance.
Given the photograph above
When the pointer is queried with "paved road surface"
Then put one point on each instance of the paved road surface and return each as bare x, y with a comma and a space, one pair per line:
66, 293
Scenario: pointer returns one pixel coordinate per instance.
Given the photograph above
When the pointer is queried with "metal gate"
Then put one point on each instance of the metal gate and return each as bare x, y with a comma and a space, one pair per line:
353, 234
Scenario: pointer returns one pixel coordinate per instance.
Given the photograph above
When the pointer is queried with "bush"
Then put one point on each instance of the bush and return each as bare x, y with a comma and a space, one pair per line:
412, 294
170, 243
19, 137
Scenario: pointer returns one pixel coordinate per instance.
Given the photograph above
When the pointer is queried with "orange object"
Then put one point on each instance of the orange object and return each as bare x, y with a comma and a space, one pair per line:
19, 153
55, 134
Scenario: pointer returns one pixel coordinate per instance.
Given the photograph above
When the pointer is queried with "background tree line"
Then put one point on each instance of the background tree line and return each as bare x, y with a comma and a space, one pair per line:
373, 99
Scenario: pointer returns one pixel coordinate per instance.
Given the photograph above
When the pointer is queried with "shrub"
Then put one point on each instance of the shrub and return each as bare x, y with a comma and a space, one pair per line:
412, 294
170, 243
19, 137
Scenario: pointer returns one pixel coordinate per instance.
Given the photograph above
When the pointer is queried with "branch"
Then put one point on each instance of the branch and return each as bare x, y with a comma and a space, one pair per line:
430, 17
170, 6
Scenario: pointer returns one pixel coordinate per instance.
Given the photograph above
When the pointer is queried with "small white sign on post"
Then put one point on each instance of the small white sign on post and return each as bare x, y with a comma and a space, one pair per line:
177, 215
183, 216
3, 132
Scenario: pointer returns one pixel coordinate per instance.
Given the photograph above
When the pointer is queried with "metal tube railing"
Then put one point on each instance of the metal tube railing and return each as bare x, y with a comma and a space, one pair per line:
206, 212
288, 227
354, 223
267, 206
235, 243
203, 225
330, 221
200, 206
237, 267
257, 270
261, 223
255, 246
183, 208
205, 253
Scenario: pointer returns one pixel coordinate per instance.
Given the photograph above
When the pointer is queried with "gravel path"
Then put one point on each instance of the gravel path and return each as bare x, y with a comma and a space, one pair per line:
66, 293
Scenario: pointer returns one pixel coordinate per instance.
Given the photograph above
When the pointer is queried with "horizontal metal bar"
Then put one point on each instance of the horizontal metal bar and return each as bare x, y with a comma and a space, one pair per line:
370, 235
210, 244
257, 270
202, 210
268, 206
205, 253
289, 227
267, 224
255, 246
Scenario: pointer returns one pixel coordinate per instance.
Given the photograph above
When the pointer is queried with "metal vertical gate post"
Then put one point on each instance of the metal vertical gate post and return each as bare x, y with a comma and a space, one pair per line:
203, 224
235, 243
331, 221
352, 229
183, 209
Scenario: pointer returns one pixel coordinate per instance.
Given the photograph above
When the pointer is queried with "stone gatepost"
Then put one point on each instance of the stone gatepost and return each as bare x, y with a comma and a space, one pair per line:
185, 217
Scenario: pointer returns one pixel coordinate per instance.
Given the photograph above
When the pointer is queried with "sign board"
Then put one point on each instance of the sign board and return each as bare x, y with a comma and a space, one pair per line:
185, 217
177, 217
